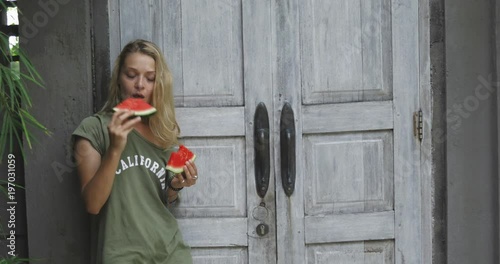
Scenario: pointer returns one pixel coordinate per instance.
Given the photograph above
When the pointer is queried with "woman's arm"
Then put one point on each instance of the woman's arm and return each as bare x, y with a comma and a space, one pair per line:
97, 173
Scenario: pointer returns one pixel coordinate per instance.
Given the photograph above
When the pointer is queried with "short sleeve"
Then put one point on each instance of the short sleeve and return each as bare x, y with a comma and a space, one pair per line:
91, 129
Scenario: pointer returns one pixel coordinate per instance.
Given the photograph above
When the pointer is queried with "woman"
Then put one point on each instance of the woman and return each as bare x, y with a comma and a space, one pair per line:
121, 164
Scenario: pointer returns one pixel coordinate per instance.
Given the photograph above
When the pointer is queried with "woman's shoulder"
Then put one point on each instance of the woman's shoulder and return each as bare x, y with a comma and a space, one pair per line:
100, 117
103, 117
95, 121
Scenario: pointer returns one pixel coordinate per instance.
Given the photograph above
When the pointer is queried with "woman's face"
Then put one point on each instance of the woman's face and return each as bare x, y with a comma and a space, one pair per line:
137, 76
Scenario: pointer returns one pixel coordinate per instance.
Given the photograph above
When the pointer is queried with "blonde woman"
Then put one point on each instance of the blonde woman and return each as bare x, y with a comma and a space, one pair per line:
121, 164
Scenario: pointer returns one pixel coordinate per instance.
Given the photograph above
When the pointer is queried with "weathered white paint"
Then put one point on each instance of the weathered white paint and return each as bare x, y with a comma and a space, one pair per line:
258, 68
286, 82
345, 51
407, 181
427, 173
348, 173
339, 117
221, 255
212, 73
345, 166
372, 252
211, 121
218, 192
222, 233
349, 227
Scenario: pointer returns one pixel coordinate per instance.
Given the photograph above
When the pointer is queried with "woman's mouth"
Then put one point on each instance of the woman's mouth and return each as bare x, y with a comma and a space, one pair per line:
138, 96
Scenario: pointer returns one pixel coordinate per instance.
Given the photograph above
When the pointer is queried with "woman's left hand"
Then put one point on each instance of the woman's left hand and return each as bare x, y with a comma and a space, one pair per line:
187, 178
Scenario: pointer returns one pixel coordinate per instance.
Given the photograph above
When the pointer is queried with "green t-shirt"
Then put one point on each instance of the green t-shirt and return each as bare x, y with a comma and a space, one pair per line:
134, 226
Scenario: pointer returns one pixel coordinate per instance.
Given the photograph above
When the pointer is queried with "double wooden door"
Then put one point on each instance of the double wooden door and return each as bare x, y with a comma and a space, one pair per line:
342, 75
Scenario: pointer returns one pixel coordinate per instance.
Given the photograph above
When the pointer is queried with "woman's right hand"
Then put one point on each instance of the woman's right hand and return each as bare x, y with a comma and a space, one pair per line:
120, 125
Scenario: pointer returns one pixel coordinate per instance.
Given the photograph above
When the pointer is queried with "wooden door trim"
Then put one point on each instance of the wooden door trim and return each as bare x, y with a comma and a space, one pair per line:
287, 83
407, 174
426, 156
258, 88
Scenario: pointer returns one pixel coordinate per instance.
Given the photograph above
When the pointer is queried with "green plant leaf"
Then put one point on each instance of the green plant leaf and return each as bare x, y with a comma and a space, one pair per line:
13, 260
25, 130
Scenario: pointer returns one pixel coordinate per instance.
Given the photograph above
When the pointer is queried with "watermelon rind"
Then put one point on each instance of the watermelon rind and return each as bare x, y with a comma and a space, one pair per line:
132, 101
140, 113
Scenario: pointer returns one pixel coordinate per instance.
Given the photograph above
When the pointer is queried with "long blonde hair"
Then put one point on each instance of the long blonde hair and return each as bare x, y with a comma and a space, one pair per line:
163, 123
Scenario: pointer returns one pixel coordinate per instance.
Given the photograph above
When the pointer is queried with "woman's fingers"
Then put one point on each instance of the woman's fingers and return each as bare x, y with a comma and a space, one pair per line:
129, 124
187, 178
120, 125
121, 117
191, 173
178, 181
124, 120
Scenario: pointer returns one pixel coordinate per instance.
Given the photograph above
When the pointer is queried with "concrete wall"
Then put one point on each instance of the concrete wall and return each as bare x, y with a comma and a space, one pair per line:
58, 37
472, 172
438, 149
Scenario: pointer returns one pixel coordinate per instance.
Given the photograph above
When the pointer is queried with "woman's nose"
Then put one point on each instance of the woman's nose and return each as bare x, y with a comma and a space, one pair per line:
140, 82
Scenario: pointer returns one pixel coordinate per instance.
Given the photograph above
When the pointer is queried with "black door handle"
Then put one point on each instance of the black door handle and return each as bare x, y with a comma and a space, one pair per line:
261, 145
287, 147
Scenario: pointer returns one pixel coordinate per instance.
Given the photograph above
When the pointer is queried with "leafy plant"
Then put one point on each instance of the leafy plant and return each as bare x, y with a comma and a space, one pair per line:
15, 101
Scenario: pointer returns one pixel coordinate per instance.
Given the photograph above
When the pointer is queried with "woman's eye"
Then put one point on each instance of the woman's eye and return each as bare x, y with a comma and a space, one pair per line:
151, 79
131, 76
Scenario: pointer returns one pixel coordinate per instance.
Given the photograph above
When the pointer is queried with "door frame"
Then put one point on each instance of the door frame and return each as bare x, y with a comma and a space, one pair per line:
426, 155
104, 15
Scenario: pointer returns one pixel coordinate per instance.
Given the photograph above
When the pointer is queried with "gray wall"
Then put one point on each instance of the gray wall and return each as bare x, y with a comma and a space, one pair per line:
57, 36
472, 174
438, 150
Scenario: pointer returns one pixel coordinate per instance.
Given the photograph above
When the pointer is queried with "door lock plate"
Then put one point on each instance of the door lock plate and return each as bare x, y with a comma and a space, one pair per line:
262, 229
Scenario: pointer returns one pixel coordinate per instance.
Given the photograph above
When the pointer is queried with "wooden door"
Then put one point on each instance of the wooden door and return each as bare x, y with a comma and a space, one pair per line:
220, 56
349, 71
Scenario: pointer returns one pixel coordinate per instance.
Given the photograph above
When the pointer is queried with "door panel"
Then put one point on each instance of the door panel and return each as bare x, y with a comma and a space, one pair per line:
345, 50
348, 173
211, 52
217, 194
377, 252
328, 118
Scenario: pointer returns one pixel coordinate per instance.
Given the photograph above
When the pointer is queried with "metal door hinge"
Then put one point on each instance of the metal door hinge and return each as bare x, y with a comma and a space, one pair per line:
418, 125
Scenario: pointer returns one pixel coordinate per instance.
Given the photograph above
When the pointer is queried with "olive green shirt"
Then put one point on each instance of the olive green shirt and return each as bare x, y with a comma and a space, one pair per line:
134, 226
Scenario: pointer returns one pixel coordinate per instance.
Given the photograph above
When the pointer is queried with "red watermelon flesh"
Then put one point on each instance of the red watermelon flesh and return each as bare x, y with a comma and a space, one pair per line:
139, 106
178, 159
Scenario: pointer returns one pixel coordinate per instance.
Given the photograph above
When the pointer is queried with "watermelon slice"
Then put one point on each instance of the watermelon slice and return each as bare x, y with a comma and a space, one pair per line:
178, 159
139, 106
